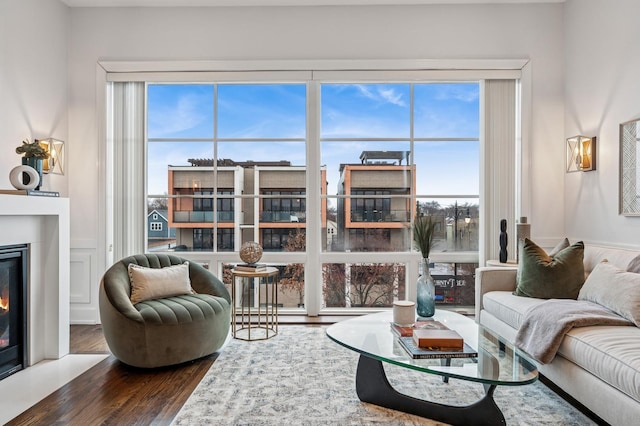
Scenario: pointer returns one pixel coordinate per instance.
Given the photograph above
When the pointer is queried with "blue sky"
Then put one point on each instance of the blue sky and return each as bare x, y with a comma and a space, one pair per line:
441, 110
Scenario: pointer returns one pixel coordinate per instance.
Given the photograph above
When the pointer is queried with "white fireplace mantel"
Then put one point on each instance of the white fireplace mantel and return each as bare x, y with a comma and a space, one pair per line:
43, 224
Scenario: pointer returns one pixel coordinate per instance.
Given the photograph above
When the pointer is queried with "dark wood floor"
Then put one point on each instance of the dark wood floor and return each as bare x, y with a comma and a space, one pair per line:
112, 393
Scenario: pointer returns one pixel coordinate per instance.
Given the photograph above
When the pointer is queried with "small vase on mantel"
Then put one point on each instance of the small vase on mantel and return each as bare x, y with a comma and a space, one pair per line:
426, 292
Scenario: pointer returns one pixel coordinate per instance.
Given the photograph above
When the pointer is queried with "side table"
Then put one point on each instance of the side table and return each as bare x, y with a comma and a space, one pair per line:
257, 307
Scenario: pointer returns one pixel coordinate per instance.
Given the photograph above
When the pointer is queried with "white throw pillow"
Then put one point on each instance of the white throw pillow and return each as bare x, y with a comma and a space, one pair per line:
156, 283
614, 289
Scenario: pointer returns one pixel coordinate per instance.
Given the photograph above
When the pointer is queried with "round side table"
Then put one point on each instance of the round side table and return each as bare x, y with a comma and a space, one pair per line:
254, 313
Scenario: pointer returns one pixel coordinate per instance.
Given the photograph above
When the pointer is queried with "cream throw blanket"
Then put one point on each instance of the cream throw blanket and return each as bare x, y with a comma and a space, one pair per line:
545, 325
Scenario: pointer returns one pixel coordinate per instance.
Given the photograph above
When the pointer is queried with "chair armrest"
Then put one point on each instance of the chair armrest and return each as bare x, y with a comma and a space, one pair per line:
115, 292
203, 281
493, 279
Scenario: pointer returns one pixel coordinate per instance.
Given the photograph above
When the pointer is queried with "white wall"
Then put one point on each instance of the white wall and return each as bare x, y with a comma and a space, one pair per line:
33, 80
602, 91
398, 32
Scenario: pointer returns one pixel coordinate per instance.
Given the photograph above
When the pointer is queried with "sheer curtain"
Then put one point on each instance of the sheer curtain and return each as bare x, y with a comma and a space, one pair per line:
126, 167
498, 164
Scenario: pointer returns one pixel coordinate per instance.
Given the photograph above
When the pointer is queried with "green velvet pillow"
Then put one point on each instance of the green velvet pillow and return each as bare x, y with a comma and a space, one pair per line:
545, 277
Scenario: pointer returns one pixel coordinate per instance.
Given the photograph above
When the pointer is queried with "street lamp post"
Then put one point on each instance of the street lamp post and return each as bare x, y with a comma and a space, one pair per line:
455, 227
467, 220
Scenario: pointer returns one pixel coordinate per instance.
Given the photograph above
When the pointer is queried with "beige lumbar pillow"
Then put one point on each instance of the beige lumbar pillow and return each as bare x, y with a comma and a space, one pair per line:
156, 283
614, 289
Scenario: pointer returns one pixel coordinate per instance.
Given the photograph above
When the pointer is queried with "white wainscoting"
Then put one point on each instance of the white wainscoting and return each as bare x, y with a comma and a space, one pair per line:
84, 286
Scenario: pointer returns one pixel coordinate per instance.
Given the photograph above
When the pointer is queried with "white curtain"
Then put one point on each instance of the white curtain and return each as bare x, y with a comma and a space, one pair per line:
499, 164
126, 168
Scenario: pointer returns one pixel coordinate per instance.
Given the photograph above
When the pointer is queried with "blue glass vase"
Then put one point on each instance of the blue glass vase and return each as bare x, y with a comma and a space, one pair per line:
426, 292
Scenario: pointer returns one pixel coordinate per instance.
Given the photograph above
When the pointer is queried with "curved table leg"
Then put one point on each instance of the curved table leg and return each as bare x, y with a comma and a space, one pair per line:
373, 387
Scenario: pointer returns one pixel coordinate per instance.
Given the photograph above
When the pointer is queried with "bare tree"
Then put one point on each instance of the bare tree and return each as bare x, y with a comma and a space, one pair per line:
293, 275
158, 204
364, 285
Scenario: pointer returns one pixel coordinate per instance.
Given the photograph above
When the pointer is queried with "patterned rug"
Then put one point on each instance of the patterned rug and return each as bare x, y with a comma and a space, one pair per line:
301, 377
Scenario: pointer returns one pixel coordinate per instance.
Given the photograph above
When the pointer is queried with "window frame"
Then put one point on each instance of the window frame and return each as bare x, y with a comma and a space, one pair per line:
518, 69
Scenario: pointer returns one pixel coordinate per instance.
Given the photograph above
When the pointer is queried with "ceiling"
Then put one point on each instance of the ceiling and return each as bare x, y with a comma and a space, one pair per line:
214, 3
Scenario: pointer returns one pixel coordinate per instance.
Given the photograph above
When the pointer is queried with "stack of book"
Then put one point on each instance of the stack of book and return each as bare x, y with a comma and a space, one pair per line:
251, 267
31, 192
407, 330
432, 339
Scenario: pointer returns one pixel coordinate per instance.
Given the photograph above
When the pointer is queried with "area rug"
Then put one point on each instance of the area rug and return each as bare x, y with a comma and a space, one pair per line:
301, 377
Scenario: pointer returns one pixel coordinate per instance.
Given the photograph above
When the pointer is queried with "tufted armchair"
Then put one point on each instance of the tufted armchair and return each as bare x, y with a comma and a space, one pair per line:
164, 331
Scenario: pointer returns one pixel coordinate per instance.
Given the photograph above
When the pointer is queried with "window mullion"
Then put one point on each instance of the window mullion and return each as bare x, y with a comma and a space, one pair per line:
313, 267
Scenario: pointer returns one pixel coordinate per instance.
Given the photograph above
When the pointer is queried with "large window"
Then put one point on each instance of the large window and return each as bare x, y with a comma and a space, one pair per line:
229, 163
400, 150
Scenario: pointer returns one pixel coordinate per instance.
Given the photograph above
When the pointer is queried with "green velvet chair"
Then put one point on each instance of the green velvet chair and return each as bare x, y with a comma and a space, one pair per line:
165, 331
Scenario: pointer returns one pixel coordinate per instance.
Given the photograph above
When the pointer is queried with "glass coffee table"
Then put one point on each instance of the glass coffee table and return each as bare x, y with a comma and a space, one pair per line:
498, 363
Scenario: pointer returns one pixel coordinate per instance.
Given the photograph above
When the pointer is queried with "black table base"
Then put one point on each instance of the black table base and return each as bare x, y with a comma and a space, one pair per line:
373, 387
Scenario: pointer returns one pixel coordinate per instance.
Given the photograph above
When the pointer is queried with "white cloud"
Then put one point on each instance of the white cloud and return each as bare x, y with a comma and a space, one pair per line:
186, 114
382, 94
391, 96
462, 93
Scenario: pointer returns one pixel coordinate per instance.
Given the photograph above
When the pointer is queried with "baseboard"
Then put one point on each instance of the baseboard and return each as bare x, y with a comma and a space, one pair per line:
571, 400
80, 315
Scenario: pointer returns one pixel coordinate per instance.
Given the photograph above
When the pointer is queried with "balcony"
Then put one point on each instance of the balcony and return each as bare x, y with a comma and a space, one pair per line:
380, 216
283, 216
190, 216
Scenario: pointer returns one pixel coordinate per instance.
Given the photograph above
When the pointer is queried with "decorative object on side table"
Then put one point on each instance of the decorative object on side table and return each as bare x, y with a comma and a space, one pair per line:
423, 232
523, 230
250, 252
34, 153
504, 240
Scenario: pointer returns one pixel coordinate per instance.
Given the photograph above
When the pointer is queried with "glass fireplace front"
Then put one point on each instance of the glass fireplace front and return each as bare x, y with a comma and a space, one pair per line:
13, 309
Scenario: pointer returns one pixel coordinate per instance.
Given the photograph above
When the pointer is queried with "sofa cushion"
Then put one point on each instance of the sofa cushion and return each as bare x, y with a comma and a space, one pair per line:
615, 256
614, 289
542, 276
508, 307
634, 265
182, 309
610, 353
156, 283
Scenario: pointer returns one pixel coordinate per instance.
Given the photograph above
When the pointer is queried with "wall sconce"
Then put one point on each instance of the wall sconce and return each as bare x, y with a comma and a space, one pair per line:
581, 154
55, 162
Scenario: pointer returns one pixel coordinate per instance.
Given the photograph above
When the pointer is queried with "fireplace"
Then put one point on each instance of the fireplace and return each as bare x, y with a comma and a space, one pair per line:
13, 309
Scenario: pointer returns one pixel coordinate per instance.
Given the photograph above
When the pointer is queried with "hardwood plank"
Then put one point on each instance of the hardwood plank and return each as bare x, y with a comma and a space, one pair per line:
87, 339
114, 393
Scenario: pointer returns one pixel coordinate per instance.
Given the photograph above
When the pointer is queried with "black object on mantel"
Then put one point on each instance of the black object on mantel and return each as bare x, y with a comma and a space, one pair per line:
503, 241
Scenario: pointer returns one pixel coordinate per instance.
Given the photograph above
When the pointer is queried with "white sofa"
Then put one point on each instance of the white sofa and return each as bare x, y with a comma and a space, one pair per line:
598, 366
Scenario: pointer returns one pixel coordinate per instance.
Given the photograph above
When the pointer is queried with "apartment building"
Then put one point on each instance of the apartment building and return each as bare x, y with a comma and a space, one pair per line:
254, 201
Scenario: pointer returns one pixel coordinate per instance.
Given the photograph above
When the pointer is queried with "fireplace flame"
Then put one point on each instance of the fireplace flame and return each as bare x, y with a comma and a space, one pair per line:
4, 300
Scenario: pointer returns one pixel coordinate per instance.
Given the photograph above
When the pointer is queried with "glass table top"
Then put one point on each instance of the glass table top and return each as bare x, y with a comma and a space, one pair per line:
498, 362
